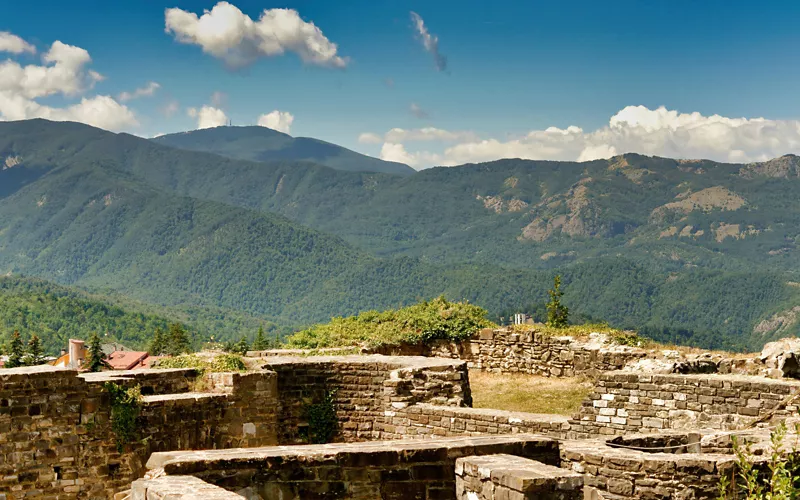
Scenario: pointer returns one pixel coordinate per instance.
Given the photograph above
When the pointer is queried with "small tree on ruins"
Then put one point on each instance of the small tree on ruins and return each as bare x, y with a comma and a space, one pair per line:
557, 313
178, 342
96, 359
15, 352
241, 347
158, 345
35, 354
260, 343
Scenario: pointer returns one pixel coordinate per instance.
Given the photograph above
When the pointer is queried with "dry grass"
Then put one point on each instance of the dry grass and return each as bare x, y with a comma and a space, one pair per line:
528, 393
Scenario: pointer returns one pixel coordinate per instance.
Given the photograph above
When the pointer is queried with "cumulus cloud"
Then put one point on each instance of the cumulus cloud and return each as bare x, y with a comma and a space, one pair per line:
417, 111
657, 132
429, 41
277, 120
208, 116
398, 153
226, 33
10, 42
64, 73
370, 138
146, 91
424, 134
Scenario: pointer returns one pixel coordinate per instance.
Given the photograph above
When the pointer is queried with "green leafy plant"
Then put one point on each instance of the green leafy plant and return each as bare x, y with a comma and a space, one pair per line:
419, 323
779, 480
126, 405
219, 363
321, 417
557, 313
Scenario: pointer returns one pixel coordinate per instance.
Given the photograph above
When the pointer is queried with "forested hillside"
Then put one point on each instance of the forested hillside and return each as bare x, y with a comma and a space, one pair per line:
687, 251
264, 144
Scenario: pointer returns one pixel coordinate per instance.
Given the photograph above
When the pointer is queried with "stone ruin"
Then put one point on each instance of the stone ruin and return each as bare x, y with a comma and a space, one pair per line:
656, 425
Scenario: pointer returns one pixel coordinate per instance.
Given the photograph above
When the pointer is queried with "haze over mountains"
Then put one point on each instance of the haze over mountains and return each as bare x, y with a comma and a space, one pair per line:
264, 144
692, 251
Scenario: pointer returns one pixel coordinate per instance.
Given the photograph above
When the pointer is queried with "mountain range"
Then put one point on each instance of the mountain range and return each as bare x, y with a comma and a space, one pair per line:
251, 223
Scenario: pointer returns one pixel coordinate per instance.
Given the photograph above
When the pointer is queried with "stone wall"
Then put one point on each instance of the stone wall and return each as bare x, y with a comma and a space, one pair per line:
365, 388
505, 350
508, 477
431, 421
393, 470
56, 438
629, 402
642, 475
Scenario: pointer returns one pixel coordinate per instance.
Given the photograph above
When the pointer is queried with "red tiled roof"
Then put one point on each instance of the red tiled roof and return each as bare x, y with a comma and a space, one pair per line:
126, 360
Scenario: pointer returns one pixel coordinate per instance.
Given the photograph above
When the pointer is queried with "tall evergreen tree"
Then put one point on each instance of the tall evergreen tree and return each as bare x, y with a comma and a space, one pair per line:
557, 313
241, 347
158, 345
260, 343
35, 354
15, 352
96, 359
178, 340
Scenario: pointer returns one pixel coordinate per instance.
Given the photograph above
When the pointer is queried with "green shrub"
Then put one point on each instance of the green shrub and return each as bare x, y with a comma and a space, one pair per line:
322, 420
126, 404
219, 363
780, 480
419, 323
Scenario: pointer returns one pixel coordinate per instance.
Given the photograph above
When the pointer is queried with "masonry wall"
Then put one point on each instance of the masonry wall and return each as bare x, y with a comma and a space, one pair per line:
629, 402
397, 470
427, 421
56, 439
505, 350
365, 388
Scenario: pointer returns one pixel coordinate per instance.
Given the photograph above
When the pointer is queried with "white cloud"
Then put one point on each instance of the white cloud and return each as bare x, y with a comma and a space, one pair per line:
399, 135
146, 91
63, 72
429, 41
277, 120
657, 132
225, 32
398, 153
370, 138
208, 117
10, 42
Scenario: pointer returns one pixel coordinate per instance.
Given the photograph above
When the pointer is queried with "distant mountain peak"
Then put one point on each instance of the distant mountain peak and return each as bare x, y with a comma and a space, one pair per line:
256, 143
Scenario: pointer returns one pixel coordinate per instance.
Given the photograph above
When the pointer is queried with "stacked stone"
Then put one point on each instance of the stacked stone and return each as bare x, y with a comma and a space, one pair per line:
629, 402
430, 421
638, 474
394, 470
364, 387
56, 439
507, 477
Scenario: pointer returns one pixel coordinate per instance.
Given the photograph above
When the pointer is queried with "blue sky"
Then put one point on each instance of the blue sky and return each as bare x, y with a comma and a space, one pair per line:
513, 69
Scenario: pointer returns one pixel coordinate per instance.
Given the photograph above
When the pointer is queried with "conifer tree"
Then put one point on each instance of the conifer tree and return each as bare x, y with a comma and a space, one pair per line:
241, 347
557, 313
35, 355
158, 345
178, 340
260, 343
96, 359
15, 352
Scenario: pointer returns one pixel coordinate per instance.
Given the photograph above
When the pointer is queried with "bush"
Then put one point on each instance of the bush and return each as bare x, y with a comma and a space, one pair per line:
219, 363
419, 323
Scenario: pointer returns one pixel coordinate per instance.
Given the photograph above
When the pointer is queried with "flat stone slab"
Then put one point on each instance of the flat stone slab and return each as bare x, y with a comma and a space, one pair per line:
401, 451
179, 487
181, 397
392, 362
518, 473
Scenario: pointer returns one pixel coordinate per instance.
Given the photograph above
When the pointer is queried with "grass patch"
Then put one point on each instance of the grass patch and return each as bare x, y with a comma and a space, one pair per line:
528, 393
419, 323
